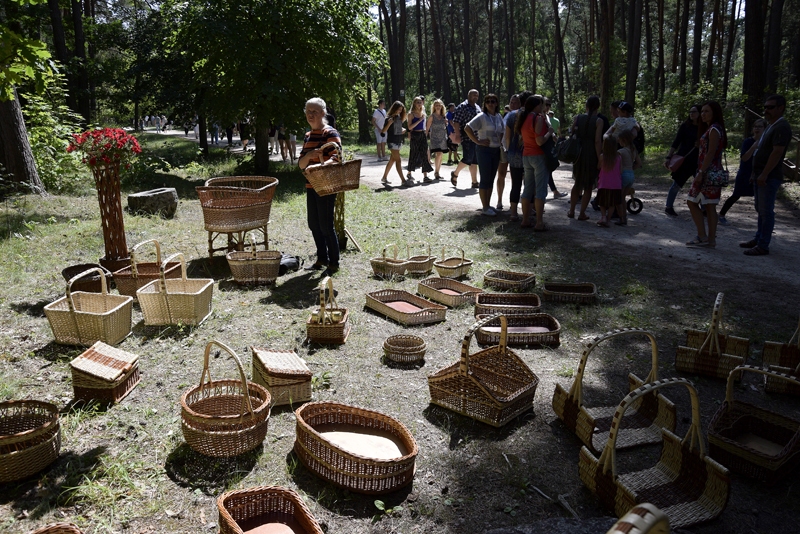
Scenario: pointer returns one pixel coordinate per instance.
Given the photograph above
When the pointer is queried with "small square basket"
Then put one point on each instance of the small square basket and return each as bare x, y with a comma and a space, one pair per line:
283, 373
176, 300
254, 267
104, 373
135, 276
266, 505
329, 325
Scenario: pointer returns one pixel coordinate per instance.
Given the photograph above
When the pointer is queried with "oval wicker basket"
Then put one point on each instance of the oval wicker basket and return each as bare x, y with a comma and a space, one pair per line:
218, 418
508, 280
245, 510
403, 348
30, 438
58, 528
236, 203
331, 178
454, 266
386, 267
421, 265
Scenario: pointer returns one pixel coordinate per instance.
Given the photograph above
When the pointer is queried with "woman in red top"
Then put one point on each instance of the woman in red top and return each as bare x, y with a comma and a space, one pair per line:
535, 131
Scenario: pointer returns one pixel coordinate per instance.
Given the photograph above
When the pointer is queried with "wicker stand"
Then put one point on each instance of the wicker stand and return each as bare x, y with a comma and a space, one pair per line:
283, 373
104, 373
106, 180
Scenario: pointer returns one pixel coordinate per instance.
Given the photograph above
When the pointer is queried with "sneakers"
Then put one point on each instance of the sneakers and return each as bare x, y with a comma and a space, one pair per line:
557, 194
749, 244
756, 251
499, 207
489, 212
671, 211
723, 221
331, 270
316, 266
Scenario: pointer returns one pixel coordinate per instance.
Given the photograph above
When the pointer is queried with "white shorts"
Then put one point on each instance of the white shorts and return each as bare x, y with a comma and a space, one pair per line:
380, 138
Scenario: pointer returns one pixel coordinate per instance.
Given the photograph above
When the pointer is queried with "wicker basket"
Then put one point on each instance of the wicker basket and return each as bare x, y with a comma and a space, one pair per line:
176, 300
385, 267
330, 324
536, 330
754, 441
508, 280
642, 519
104, 373
493, 385
580, 293
686, 484
447, 291
507, 304
782, 358
405, 308
89, 283
336, 177
30, 438
224, 418
711, 353
642, 424
132, 278
83, 318
344, 468
253, 267
421, 265
283, 373
58, 528
244, 510
404, 349
236, 203
454, 266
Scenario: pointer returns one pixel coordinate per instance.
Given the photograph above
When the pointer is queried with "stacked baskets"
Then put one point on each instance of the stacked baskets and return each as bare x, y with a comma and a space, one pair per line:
30, 438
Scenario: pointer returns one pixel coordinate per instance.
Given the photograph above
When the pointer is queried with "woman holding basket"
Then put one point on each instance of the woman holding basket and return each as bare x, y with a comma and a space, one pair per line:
320, 209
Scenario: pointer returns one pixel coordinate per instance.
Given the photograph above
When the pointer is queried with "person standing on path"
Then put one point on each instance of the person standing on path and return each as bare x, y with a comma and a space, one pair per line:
502, 169
685, 144
418, 153
535, 131
393, 128
452, 156
742, 186
486, 131
378, 118
437, 131
589, 127
464, 113
555, 124
513, 144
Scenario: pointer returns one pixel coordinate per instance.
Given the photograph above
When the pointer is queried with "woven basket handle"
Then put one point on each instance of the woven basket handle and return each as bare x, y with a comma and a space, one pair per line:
250, 240
457, 248
103, 286
389, 246
326, 282
247, 405
423, 244
162, 286
338, 148
693, 434
754, 369
796, 336
464, 364
576, 391
712, 339
134, 272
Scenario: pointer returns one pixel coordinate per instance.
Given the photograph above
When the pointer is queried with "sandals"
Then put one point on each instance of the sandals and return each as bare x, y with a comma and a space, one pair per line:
475, 185
453, 178
571, 214
583, 217
697, 241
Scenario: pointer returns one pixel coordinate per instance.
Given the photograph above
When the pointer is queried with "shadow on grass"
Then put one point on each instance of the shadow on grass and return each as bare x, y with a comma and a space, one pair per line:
190, 469
32, 309
461, 428
53, 352
295, 293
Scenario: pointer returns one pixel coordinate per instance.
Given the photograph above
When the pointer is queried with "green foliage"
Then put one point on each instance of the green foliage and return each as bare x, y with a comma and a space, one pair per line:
23, 60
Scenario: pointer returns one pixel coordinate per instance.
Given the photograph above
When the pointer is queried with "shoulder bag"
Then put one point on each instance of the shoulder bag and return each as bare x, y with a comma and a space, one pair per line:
569, 149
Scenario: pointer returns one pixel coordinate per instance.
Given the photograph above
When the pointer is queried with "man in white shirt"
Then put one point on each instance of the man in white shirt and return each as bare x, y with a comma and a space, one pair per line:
378, 120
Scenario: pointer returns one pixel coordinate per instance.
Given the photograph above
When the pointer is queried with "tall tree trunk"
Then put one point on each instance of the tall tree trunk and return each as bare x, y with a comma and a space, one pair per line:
490, 45
261, 133
712, 45
794, 69
386, 86
80, 53
648, 38
60, 47
396, 39
633, 53
534, 74
511, 82
698, 43
753, 76
364, 128
774, 37
420, 51
15, 149
675, 34
726, 76
202, 132
438, 53
684, 37
466, 46
660, 71
559, 57
606, 33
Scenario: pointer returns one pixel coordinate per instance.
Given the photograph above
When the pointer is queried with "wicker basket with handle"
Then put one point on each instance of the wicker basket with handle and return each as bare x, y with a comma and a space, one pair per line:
254, 267
387, 267
58, 528
82, 318
30, 438
90, 283
248, 509
176, 300
334, 176
283, 373
686, 484
104, 373
508, 280
453, 266
224, 418
782, 358
447, 291
329, 325
135, 276
421, 265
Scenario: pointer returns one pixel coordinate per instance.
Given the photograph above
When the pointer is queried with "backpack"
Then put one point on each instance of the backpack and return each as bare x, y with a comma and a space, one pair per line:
289, 263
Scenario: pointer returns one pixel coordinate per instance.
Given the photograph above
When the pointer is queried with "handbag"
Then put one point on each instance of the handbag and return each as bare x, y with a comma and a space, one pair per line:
455, 137
569, 149
717, 177
676, 160
550, 155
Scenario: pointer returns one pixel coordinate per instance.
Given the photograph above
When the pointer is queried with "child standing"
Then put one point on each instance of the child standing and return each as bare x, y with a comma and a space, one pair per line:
629, 161
609, 183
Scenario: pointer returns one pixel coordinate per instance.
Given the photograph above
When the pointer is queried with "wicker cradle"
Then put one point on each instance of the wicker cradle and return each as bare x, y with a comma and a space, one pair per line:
453, 266
447, 291
82, 318
243, 510
176, 300
386, 267
711, 353
508, 280
492, 385
754, 441
688, 486
285, 375
104, 373
579, 293
782, 358
224, 418
58, 528
254, 267
507, 304
404, 349
642, 519
536, 330
351, 471
421, 265
405, 308
334, 177
30, 438
329, 325
135, 276
648, 414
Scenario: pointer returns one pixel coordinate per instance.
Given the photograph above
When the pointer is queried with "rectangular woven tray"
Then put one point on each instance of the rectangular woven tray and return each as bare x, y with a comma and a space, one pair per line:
579, 293
538, 329
447, 291
507, 303
405, 308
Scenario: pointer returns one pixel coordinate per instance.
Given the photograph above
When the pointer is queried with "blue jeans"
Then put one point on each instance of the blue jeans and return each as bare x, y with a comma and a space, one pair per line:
673, 193
765, 206
320, 222
488, 161
536, 175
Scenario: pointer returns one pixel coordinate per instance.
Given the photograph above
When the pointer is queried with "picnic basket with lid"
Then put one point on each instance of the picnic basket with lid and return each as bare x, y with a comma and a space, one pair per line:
578, 293
334, 176
647, 416
453, 266
248, 509
224, 418
500, 280
137, 275
285, 375
405, 308
387, 267
176, 300
420, 265
536, 329
404, 348
751, 440
254, 267
58, 528
688, 486
507, 303
782, 358
81, 318
104, 373
447, 291
492, 385
30, 438
328, 325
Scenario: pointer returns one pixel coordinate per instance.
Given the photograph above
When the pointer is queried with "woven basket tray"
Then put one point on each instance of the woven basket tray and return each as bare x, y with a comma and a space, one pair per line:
104, 373
181, 300
453, 266
254, 267
580, 293
538, 329
224, 418
337, 177
30, 438
135, 276
331, 325
507, 304
236, 203
388, 267
404, 348
380, 459
447, 291
82, 318
405, 308
245, 510
58, 528
283, 373
421, 265
508, 280
89, 283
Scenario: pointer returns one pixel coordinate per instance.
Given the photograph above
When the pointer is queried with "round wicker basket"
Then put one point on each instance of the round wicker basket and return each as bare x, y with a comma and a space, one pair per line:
58, 528
30, 438
404, 348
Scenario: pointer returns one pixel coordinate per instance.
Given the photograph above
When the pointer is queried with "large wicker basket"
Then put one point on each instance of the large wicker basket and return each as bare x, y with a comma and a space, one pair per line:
507, 304
754, 441
336, 464
782, 358
642, 424
335, 176
135, 276
30, 438
493, 385
245, 510
330, 324
58, 528
224, 418
508, 280
405, 308
82, 318
686, 484
388, 267
447, 291
535, 330
420, 265
453, 266
254, 267
236, 203
176, 300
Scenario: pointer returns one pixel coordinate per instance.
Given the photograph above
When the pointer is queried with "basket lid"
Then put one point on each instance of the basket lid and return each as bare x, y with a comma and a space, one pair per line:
281, 361
105, 361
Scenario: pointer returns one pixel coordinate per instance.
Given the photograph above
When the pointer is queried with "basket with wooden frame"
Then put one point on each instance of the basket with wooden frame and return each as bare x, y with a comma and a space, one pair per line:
58, 528
642, 519
711, 353
328, 325
500, 280
447, 291
754, 441
135, 276
82, 318
254, 267
782, 358
224, 418
688, 486
386, 267
185, 301
535, 330
357, 449
420, 265
507, 304
492, 385
578, 293
89, 283
405, 308
30, 438
285, 375
265, 509
645, 419
335, 175
453, 266
104, 373
404, 349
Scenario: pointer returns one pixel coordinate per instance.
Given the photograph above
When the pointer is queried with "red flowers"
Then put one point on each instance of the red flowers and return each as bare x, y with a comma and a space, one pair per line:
105, 146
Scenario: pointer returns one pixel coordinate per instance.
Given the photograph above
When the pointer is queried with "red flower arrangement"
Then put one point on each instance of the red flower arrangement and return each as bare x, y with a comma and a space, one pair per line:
104, 147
